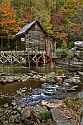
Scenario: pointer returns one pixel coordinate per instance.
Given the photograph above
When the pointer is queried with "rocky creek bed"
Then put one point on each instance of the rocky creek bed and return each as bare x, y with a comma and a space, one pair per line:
48, 104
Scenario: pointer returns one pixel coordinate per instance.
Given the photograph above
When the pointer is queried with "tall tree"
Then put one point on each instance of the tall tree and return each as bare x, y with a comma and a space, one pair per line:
7, 18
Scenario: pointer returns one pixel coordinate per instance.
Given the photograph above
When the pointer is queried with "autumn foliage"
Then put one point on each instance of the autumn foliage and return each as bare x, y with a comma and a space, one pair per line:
61, 18
8, 18
27, 16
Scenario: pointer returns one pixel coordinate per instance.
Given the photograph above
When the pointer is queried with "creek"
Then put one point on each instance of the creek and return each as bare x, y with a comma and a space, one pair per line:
33, 90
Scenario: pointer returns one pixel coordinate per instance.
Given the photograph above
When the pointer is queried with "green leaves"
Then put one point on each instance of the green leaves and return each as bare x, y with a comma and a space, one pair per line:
44, 115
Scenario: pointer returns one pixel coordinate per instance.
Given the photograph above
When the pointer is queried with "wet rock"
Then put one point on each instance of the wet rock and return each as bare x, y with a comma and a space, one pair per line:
23, 89
11, 119
17, 118
24, 80
26, 113
73, 88
15, 107
2, 74
65, 83
10, 81
23, 105
73, 80
3, 80
5, 122
28, 122
49, 104
39, 113
50, 76
13, 103
42, 79
34, 76
28, 77
6, 105
62, 116
60, 79
44, 85
19, 109
31, 74
14, 112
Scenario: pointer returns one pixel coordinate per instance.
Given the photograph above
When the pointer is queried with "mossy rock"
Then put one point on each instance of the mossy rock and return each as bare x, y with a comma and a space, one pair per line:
59, 71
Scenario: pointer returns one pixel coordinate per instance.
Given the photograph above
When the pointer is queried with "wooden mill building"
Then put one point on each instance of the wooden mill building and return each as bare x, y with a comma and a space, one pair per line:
35, 41
32, 44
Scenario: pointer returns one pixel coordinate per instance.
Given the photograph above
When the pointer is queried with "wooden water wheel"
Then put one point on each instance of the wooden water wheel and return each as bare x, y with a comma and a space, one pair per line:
40, 59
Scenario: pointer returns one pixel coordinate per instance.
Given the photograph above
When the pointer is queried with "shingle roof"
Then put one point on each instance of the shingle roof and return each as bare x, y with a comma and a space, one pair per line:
26, 27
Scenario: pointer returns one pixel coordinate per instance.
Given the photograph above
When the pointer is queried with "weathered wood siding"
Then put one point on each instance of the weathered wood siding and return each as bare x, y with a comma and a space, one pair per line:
35, 39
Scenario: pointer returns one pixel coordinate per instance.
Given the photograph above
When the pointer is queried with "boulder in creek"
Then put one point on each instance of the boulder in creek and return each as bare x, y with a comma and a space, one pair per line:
6, 105
50, 76
26, 113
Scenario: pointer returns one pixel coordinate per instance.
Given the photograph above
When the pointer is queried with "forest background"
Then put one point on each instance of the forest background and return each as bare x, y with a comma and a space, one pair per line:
63, 19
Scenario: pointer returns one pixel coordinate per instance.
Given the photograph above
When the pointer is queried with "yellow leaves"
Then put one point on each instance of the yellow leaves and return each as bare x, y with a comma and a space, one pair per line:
69, 7
6, 8
7, 21
69, 4
61, 35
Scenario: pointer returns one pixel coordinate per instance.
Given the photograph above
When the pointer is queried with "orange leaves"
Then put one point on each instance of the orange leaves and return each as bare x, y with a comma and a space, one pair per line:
61, 35
6, 8
7, 20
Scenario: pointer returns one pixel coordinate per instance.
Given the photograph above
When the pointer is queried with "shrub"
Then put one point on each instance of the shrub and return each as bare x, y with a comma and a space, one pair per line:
44, 115
59, 71
64, 53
